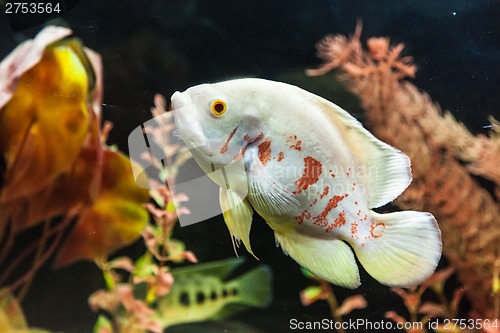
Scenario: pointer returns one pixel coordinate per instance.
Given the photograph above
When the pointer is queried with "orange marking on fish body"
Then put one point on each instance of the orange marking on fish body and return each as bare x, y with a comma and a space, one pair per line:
338, 222
224, 147
295, 144
376, 229
240, 154
281, 156
332, 203
312, 171
248, 142
325, 192
354, 229
265, 151
305, 215
290, 138
314, 202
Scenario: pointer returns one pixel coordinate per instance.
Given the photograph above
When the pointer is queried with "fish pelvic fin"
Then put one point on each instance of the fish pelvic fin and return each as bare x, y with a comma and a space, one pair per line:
254, 287
404, 248
237, 214
331, 260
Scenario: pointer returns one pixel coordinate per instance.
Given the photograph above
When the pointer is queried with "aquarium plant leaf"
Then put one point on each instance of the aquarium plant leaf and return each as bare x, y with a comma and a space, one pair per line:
53, 158
311, 294
11, 314
24, 57
103, 325
116, 218
67, 195
352, 303
45, 122
12, 319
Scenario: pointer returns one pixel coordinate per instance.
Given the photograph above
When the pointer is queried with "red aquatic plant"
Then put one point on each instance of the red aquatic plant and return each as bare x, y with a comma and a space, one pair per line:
324, 291
421, 312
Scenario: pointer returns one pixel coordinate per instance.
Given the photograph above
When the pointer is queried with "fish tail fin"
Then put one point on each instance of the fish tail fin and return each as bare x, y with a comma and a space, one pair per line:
403, 250
254, 287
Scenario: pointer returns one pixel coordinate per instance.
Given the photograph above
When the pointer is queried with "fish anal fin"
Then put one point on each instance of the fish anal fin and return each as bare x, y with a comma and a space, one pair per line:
404, 250
329, 259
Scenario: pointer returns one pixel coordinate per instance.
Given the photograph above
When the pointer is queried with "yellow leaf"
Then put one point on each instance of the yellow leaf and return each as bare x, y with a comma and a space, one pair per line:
44, 123
116, 218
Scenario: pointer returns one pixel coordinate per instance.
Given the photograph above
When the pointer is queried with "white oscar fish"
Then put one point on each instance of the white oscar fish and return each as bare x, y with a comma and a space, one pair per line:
313, 173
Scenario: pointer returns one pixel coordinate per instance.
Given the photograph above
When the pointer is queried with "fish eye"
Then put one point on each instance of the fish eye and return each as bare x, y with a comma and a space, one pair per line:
218, 108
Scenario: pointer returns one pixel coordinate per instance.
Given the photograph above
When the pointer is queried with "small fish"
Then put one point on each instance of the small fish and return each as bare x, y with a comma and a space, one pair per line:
314, 174
200, 292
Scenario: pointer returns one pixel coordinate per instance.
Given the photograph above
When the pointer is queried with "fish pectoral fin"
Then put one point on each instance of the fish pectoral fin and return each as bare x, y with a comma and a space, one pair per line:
404, 248
237, 214
331, 260
269, 196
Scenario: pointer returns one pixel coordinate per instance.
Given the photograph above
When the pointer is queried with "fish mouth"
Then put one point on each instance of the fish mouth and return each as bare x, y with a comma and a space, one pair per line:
178, 100
188, 123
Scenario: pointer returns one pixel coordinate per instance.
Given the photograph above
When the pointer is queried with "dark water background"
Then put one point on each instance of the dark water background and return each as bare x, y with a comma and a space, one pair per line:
163, 46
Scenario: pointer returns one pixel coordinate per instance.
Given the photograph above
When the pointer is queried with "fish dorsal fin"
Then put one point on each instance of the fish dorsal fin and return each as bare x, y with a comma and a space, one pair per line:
237, 214
388, 169
220, 269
